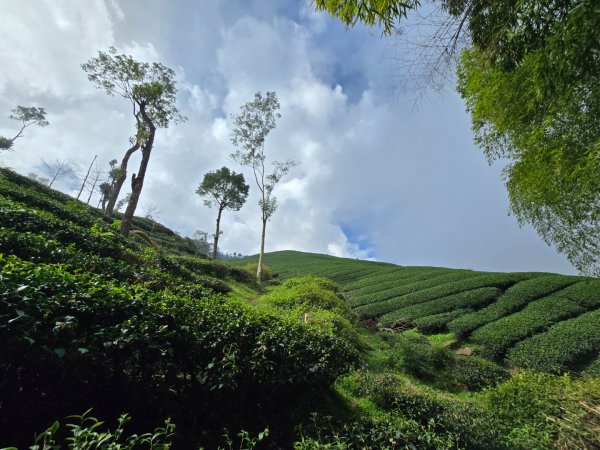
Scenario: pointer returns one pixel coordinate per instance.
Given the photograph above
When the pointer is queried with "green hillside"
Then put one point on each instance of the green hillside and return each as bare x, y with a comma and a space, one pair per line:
330, 353
528, 319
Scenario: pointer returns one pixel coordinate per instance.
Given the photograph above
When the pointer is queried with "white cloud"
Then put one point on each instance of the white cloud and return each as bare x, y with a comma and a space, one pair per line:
374, 179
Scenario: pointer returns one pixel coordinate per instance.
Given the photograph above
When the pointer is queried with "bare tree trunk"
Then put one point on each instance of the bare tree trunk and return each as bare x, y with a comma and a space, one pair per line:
259, 270
96, 178
216, 242
137, 182
118, 183
85, 179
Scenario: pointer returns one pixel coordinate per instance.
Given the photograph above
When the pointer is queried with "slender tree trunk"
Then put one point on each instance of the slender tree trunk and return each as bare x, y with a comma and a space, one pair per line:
216, 242
96, 178
262, 251
118, 183
85, 179
137, 182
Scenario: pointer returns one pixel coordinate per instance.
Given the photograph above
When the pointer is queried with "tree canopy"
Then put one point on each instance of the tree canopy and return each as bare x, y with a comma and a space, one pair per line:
27, 115
150, 88
224, 190
252, 124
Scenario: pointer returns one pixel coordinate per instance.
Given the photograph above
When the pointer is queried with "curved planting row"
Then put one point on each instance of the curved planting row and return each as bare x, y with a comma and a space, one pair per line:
514, 299
468, 299
18, 216
438, 323
374, 304
564, 346
496, 337
387, 308
384, 276
361, 296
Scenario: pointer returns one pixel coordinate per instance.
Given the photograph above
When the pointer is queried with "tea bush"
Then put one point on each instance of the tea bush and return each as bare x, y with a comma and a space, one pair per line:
514, 299
388, 312
376, 300
75, 340
468, 299
566, 345
495, 338
438, 323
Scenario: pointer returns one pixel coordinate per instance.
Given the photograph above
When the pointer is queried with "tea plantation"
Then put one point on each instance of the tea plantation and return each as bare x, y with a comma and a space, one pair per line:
172, 350
495, 313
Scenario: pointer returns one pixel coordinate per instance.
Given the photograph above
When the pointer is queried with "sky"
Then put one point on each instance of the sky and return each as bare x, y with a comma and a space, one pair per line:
380, 176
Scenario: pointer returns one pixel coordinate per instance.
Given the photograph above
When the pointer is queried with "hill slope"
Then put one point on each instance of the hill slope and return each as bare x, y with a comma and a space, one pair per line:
545, 321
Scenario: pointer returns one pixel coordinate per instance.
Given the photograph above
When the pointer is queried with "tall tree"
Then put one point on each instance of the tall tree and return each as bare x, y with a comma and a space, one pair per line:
150, 88
84, 182
28, 116
224, 190
253, 123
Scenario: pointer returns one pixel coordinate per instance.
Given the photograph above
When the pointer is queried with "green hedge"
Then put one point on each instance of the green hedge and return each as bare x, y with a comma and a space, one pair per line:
496, 337
514, 299
74, 340
387, 309
374, 285
566, 345
438, 323
468, 299
377, 301
97, 239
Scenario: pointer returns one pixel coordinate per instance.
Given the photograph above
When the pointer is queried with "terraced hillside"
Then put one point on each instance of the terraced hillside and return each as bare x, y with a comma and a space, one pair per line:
545, 321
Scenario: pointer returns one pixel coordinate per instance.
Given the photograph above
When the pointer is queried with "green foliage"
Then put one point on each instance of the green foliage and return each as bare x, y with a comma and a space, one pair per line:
536, 410
389, 309
438, 323
71, 338
388, 432
533, 92
514, 299
265, 274
223, 189
495, 338
370, 12
566, 345
312, 300
468, 299
86, 433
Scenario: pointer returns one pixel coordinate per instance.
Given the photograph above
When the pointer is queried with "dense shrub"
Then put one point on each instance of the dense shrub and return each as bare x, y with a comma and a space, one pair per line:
475, 374
386, 433
438, 323
98, 240
566, 345
514, 299
75, 340
312, 300
387, 310
377, 300
536, 410
496, 337
467, 299
252, 268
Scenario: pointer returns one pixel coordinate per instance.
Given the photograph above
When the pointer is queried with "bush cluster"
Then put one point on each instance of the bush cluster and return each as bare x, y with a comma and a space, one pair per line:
438, 323
514, 299
566, 345
496, 337
387, 310
376, 301
536, 410
468, 299
75, 340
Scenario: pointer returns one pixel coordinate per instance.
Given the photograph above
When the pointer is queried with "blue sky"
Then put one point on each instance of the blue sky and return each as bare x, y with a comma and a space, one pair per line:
378, 178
